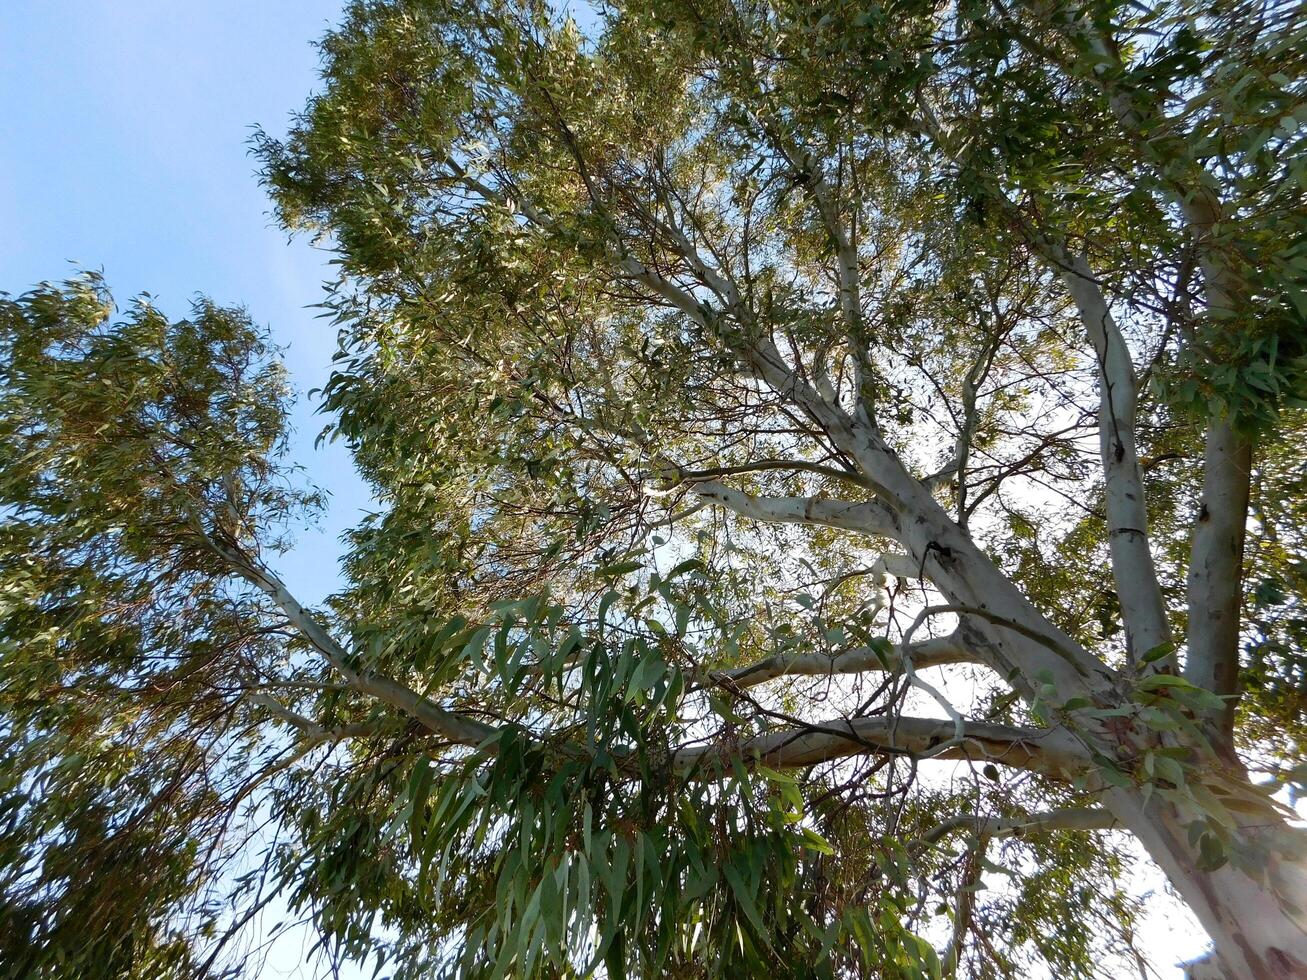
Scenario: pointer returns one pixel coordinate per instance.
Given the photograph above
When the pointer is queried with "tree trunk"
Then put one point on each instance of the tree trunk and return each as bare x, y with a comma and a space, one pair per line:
1215, 583
1258, 926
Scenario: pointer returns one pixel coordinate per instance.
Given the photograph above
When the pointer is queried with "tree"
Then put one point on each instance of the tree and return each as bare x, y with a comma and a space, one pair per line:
721, 369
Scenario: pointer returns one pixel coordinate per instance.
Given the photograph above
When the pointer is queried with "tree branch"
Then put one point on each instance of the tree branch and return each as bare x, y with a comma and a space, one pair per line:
1215, 581
1068, 818
863, 517
306, 725
928, 653
776, 464
1050, 752
449, 724
1133, 568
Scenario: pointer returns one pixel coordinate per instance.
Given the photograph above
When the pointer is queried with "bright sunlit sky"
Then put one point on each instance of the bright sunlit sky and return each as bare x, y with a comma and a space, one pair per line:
125, 149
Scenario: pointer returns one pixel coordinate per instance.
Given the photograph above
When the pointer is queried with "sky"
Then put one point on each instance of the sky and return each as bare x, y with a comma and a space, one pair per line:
126, 149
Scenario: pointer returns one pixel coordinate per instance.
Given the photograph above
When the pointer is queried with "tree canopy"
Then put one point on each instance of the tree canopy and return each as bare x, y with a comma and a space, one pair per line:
840, 508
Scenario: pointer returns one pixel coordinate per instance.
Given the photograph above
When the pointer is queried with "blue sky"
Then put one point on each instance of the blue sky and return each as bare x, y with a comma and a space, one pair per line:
125, 149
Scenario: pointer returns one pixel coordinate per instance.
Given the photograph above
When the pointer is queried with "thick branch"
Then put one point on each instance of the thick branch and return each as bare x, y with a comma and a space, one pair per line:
790, 465
928, 653
1133, 569
1215, 584
1051, 752
1216, 569
1127, 515
864, 517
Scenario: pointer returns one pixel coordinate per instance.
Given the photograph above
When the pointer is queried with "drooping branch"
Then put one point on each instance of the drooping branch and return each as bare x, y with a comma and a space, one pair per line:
982, 831
451, 725
1051, 752
964, 904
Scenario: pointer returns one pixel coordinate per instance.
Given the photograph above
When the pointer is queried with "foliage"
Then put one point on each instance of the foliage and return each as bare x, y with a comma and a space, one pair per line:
720, 369
122, 645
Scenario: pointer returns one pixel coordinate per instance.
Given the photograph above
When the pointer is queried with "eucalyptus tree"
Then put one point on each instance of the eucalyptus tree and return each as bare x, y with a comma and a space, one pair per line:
840, 483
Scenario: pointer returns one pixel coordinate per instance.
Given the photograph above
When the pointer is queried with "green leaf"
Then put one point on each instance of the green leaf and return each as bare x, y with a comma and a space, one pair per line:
814, 841
1159, 652
744, 898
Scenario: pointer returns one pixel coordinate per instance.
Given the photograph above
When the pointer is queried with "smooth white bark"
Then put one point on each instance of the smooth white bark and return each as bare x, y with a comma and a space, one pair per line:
1215, 582
1051, 752
452, 725
1257, 922
928, 653
1133, 569
864, 517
